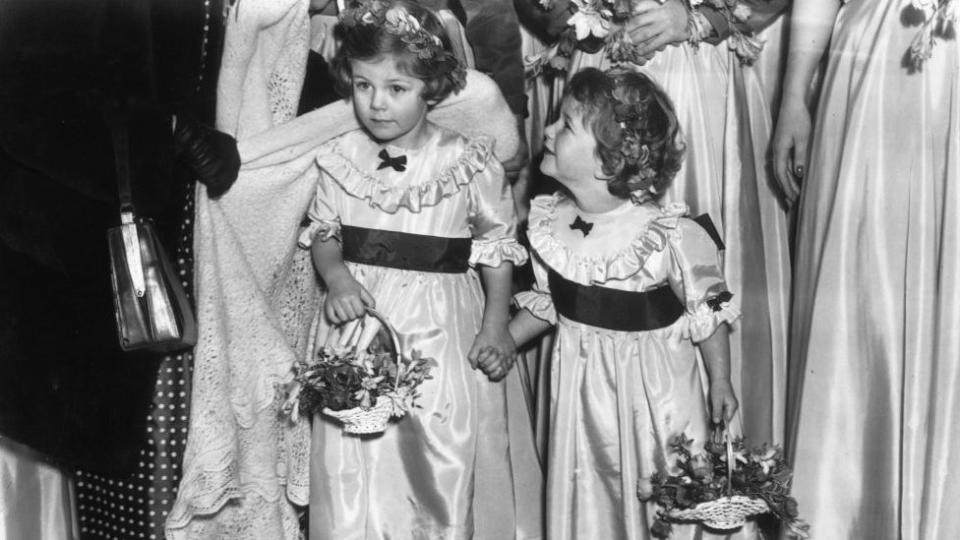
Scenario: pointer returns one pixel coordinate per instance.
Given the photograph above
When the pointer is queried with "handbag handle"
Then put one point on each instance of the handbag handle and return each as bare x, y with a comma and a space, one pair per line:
131, 238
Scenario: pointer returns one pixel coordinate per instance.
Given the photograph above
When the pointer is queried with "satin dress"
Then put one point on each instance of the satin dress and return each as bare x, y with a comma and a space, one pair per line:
876, 356
618, 397
724, 175
463, 465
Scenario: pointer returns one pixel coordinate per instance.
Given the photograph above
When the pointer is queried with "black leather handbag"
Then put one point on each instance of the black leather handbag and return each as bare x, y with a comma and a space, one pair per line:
151, 306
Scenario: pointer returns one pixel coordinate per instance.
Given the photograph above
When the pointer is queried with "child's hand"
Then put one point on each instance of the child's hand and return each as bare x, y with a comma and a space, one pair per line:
346, 299
493, 352
723, 401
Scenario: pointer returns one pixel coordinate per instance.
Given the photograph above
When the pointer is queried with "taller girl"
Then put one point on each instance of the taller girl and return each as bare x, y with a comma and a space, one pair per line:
405, 212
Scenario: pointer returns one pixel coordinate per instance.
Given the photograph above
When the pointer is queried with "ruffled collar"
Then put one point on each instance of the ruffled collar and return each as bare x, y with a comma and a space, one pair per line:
591, 269
474, 153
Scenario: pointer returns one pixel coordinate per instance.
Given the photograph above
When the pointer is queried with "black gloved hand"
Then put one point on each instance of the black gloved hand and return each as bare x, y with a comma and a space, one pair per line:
209, 154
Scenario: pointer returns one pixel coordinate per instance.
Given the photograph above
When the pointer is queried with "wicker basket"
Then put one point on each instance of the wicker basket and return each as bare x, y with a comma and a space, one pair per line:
724, 513
364, 421
358, 335
727, 512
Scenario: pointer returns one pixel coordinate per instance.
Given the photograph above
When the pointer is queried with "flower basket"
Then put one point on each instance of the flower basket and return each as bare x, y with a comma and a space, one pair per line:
365, 421
722, 487
361, 379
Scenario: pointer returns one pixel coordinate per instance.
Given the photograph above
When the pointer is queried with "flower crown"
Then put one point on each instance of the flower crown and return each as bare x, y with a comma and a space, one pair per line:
635, 154
397, 21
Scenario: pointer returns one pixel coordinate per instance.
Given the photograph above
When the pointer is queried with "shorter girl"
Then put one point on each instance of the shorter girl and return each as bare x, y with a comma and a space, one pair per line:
633, 288
404, 212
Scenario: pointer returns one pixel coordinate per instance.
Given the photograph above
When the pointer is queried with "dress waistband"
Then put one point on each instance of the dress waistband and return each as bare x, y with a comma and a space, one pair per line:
613, 309
405, 251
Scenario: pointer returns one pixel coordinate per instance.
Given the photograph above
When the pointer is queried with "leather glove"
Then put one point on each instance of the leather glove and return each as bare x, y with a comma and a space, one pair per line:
209, 154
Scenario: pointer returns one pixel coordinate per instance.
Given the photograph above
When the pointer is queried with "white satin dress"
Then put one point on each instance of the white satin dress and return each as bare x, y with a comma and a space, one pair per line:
463, 465
618, 397
722, 175
876, 357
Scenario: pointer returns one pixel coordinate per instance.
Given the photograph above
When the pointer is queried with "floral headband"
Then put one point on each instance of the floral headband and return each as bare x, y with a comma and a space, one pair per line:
636, 155
396, 20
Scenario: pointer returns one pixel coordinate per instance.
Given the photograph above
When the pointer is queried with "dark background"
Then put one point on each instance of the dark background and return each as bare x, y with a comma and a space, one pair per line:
66, 388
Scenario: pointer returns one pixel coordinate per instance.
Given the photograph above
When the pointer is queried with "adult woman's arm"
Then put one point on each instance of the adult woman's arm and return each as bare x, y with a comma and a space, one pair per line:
810, 27
655, 26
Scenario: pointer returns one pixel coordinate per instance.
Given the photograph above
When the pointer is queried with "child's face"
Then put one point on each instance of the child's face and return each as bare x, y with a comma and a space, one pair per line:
569, 153
388, 102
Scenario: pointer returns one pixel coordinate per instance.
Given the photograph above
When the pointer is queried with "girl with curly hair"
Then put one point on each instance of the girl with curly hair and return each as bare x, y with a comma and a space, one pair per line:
408, 217
634, 289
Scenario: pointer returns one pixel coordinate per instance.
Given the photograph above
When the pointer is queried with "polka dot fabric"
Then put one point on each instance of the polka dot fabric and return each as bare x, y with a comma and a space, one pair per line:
135, 506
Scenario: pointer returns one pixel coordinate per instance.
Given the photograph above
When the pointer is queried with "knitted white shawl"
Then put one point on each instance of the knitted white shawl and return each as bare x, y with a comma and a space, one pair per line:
256, 292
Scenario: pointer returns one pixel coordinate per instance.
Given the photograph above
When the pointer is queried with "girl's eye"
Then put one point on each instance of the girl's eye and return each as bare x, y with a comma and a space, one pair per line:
397, 89
361, 85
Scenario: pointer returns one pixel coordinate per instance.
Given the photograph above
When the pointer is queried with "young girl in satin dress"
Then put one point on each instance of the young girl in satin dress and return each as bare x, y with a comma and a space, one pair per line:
634, 290
408, 217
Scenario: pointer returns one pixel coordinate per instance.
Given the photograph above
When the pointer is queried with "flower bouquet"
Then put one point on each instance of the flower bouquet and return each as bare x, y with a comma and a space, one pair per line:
722, 486
363, 380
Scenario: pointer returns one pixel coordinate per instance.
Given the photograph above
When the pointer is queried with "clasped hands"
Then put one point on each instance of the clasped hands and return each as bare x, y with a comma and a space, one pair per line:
654, 26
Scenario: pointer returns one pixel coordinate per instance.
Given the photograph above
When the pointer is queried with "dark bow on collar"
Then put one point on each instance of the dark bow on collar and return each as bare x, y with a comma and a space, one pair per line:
398, 163
582, 225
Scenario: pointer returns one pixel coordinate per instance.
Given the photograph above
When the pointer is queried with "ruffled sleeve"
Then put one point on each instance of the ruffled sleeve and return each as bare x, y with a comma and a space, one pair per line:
492, 216
322, 215
538, 300
697, 279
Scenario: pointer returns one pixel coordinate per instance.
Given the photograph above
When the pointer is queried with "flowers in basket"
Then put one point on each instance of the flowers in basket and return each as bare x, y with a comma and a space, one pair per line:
600, 24
722, 486
362, 388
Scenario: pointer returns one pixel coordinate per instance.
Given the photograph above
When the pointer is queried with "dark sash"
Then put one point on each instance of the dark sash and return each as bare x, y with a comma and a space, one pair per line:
405, 251
613, 309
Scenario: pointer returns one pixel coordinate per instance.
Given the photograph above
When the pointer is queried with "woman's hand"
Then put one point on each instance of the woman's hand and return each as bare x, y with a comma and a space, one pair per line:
723, 401
346, 299
654, 26
790, 142
493, 351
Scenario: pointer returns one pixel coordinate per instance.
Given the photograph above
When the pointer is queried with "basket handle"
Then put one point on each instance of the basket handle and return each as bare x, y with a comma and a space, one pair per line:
357, 334
721, 434
395, 338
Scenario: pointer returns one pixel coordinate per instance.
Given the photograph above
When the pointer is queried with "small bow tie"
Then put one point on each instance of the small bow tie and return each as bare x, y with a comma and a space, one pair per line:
582, 225
398, 163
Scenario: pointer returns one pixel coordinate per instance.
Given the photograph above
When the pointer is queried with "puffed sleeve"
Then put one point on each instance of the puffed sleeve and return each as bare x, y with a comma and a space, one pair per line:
493, 218
538, 300
697, 279
322, 215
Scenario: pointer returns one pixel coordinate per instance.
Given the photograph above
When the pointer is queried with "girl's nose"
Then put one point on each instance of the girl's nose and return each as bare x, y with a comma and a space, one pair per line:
550, 130
378, 100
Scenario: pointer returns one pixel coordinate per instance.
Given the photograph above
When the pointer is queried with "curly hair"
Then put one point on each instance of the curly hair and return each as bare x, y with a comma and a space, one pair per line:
639, 142
369, 30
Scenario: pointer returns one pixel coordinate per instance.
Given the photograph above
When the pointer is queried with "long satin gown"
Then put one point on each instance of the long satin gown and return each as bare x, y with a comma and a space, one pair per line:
618, 397
723, 119
36, 499
464, 465
877, 313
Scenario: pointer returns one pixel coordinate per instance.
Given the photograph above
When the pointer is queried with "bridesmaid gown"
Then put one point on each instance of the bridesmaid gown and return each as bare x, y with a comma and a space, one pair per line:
721, 176
463, 464
617, 397
877, 313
